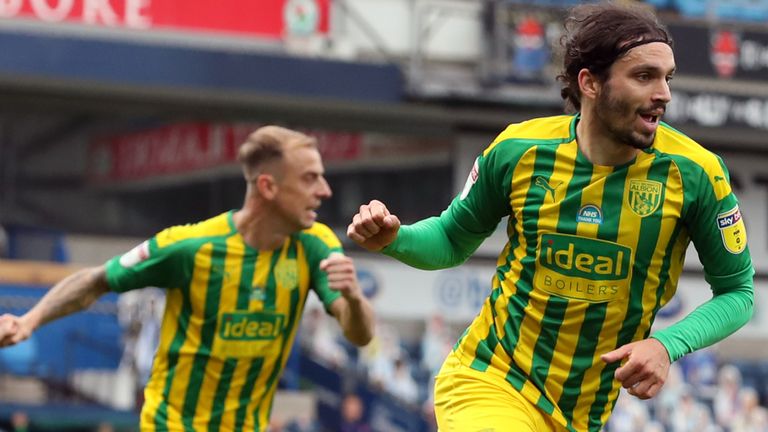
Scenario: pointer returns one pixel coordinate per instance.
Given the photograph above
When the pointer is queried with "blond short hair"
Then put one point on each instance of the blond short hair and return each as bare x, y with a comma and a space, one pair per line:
268, 144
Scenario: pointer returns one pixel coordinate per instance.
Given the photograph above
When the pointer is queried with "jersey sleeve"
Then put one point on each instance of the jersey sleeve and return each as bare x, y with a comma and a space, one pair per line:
448, 240
485, 197
718, 231
156, 262
319, 242
719, 234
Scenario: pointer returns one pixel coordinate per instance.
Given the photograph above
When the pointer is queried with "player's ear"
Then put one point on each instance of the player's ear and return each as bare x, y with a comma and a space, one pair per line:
266, 186
589, 84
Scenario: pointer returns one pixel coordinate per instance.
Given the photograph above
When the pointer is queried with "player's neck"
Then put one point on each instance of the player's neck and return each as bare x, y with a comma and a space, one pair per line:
258, 230
598, 147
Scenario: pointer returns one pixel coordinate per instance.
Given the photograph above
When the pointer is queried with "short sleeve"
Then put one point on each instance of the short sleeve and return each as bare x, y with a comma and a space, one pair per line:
149, 264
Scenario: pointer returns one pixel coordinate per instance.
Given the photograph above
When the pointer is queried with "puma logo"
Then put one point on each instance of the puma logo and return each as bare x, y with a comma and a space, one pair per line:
718, 178
549, 187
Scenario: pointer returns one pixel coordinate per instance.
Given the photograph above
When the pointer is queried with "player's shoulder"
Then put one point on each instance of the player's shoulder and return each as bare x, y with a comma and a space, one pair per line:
672, 142
216, 226
322, 233
537, 131
692, 158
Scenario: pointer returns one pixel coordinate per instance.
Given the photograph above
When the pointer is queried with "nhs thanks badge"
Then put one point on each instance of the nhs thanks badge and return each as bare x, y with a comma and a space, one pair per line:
591, 214
732, 230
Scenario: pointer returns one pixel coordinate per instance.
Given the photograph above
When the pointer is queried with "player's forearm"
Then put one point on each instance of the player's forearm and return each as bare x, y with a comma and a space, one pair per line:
709, 323
433, 244
72, 294
357, 321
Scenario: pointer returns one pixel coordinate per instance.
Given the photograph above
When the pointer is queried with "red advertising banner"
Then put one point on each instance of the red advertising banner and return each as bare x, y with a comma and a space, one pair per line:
189, 147
263, 18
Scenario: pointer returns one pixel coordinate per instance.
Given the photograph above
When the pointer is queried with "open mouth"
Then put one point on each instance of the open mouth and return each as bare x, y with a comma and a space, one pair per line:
650, 118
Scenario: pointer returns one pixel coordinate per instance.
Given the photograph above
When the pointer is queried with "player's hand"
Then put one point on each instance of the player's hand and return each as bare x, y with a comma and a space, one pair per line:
646, 368
342, 276
12, 330
373, 227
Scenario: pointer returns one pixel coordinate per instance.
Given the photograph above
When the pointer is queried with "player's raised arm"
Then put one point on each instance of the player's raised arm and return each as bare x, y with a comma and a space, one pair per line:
72, 294
373, 227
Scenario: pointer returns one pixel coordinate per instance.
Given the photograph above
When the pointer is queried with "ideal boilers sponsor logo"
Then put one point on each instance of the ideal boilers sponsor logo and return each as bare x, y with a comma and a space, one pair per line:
582, 268
732, 230
591, 214
250, 326
724, 52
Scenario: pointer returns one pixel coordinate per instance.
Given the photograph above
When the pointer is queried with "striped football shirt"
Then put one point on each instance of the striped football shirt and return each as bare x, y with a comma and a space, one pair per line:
230, 319
593, 253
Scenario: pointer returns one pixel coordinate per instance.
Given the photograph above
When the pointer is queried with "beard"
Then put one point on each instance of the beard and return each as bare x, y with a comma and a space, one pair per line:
617, 117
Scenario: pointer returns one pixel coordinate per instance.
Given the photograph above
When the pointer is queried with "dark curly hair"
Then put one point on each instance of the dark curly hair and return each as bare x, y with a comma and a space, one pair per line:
596, 35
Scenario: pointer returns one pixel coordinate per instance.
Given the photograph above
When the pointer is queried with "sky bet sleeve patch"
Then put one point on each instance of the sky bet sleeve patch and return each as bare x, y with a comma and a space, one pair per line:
732, 230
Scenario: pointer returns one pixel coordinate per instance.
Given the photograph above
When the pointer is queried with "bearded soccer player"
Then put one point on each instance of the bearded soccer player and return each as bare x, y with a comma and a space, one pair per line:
236, 284
602, 206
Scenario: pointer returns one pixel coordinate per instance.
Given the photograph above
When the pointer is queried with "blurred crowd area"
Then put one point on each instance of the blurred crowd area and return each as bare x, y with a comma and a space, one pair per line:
700, 395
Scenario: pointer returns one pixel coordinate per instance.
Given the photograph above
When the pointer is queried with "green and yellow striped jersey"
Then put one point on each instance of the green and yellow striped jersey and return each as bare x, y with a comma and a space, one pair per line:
593, 253
230, 319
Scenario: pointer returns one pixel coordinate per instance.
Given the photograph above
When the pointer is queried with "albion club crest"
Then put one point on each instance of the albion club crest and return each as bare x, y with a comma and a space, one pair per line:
644, 196
286, 273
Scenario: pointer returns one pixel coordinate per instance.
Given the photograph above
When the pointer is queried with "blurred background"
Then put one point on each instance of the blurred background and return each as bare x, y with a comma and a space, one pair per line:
121, 117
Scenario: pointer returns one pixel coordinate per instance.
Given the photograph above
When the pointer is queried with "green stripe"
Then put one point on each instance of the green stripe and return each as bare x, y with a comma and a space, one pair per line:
516, 377
219, 399
246, 280
207, 332
664, 272
246, 393
594, 316
277, 367
485, 348
161, 415
650, 226
542, 167
271, 288
556, 308
247, 269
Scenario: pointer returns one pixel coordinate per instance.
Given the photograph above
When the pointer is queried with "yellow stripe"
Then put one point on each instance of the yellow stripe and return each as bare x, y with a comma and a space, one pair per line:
520, 187
233, 263
197, 291
325, 234
153, 392
617, 309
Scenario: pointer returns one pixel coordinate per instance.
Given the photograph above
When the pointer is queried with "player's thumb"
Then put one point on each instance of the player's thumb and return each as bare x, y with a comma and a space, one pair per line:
327, 261
617, 354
